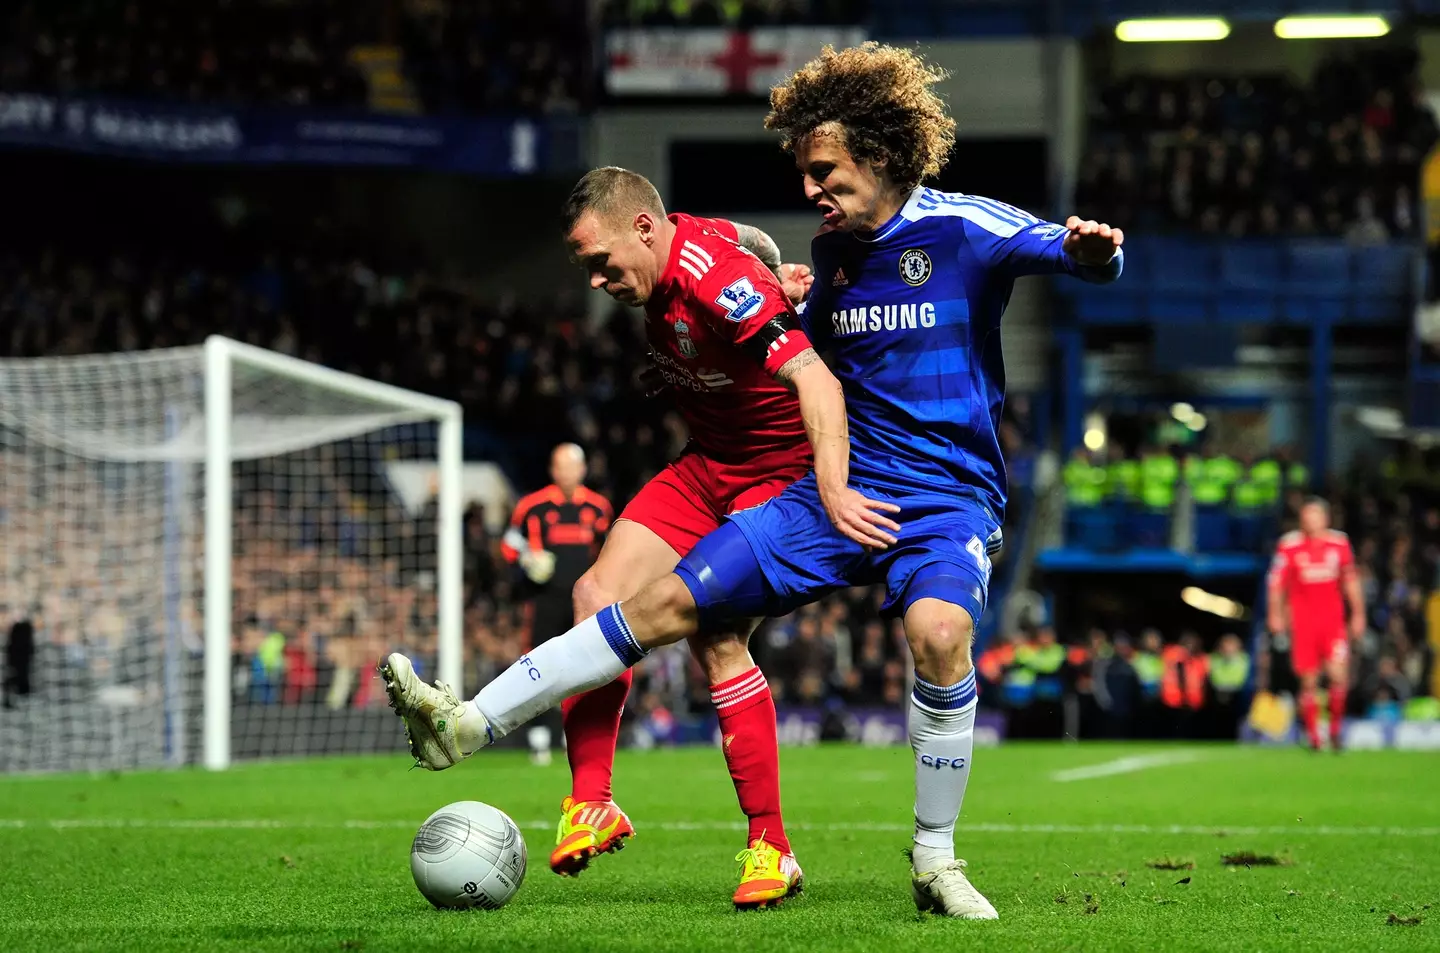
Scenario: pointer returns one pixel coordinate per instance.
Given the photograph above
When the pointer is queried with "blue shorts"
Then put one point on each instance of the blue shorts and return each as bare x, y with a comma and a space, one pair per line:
784, 553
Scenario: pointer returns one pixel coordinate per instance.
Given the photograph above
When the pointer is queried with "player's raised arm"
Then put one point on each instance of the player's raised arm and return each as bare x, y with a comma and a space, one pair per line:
1018, 244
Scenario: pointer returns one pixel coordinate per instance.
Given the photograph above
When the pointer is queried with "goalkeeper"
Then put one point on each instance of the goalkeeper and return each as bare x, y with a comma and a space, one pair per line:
553, 537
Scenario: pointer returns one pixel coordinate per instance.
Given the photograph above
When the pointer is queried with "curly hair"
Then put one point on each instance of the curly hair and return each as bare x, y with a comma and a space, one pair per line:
881, 96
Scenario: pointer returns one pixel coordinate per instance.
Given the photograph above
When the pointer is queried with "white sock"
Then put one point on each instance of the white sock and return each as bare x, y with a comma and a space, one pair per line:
592, 654
942, 733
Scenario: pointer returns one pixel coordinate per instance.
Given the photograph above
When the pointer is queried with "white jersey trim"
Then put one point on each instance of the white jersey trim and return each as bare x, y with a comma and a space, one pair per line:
997, 218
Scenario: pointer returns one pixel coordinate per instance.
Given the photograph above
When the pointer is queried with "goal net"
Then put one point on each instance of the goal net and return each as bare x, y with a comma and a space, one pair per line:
203, 556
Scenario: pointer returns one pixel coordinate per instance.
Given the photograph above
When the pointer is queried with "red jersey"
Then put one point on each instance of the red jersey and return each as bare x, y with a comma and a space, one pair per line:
1310, 572
703, 322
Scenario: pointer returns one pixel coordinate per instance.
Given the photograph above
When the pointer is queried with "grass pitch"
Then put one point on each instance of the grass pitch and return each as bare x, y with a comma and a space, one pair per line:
1079, 847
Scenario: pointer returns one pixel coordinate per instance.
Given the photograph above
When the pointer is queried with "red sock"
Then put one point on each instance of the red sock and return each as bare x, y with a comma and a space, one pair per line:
1310, 716
592, 730
752, 752
1337, 711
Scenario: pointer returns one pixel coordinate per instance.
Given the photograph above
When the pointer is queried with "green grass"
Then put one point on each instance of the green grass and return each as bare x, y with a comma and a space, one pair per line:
1066, 864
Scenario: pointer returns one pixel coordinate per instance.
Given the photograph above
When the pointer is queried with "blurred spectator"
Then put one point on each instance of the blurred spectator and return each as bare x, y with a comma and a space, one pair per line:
292, 53
744, 14
460, 55
1261, 154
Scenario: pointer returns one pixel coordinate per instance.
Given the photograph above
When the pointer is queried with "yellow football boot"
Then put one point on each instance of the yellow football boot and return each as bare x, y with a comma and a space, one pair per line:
766, 876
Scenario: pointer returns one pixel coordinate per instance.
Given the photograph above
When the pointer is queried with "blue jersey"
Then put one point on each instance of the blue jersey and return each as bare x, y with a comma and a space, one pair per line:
909, 319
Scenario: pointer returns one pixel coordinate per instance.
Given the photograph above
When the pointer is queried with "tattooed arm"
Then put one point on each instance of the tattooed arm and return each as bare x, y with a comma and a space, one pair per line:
760, 244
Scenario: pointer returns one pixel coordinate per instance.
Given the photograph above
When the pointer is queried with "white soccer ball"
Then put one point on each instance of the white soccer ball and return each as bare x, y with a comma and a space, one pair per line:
468, 854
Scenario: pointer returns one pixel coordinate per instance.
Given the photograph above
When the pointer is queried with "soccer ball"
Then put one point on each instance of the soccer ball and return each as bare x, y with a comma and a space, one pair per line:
468, 854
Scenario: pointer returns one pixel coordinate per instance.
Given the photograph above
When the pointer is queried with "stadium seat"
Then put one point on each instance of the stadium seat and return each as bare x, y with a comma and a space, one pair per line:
1384, 283
1317, 269
1245, 307
1212, 528
1179, 307
1246, 531
1104, 304
1251, 266
1385, 269
1093, 528
1309, 309
1179, 267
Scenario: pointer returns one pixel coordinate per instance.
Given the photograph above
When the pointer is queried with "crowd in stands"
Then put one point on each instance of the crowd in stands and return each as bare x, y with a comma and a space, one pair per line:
1118, 501
299, 637
742, 14
1243, 503
458, 55
1263, 154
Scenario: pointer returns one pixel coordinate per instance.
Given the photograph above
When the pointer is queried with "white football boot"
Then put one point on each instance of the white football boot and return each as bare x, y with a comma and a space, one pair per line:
950, 893
431, 713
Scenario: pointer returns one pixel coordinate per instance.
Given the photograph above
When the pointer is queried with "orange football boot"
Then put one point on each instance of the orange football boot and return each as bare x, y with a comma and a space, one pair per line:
587, 829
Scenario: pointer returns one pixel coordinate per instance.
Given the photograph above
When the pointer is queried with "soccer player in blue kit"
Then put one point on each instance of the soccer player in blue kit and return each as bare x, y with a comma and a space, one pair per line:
910, 285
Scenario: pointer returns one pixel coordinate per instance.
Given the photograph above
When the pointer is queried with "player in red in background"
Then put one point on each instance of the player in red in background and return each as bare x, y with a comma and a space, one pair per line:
1312, 568
756, 398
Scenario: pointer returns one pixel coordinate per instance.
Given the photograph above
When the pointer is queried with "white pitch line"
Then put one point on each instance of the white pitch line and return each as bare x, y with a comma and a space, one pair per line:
1127, 765
1323, 830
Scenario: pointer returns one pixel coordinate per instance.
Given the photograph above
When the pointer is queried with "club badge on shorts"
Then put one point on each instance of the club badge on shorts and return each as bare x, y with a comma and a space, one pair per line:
915, 267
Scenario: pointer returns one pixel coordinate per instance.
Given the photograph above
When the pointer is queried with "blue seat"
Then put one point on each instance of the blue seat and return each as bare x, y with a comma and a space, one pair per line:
1246, 530
1251, 266
1246, 307
1092, 528
1310, 309
1179, 307
1104, 304
1385, 270
1149, 529
1318, 269
1380, 308
1182, 266
1212, 528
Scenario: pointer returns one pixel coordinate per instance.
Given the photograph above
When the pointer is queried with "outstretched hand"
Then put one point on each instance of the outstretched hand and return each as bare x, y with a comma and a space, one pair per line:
1091, 242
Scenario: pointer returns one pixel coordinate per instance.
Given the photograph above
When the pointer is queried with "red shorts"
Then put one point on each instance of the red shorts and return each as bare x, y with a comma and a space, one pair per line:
688, 499
1314, 647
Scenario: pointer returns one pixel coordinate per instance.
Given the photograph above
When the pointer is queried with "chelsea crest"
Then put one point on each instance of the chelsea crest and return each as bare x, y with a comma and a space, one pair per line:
915, 267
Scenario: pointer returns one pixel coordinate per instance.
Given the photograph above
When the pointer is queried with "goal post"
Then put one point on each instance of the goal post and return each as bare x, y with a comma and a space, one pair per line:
193, 529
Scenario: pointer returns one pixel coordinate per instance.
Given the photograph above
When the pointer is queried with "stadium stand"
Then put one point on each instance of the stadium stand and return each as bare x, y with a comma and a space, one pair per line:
448, 55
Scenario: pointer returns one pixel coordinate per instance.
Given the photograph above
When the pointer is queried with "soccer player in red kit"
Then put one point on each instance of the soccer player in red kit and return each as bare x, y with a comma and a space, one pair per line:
756, 398
1312, 569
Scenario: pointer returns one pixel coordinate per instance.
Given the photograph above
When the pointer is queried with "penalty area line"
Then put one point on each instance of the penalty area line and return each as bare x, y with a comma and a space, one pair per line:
220, 824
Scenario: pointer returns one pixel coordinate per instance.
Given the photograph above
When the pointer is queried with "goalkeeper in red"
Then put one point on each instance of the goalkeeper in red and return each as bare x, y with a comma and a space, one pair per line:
1312, 569
757, 400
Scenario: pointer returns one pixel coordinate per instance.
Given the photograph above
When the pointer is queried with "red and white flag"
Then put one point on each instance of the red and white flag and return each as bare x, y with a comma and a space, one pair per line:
713, 62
